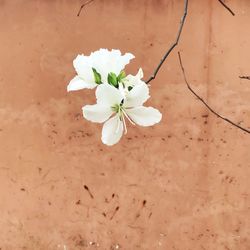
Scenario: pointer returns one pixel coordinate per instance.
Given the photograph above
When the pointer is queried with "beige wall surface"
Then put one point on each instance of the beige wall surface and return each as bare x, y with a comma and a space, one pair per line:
180, 185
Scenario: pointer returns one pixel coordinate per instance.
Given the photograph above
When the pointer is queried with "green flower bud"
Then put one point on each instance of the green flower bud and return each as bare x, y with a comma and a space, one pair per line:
121, 76
98, 78
112, 79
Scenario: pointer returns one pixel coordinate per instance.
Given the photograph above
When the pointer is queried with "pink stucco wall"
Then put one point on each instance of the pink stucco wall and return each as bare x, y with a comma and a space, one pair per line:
183, 184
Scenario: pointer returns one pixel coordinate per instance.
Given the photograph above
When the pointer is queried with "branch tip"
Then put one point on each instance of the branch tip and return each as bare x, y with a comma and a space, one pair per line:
182, 21
83, 5
207, 105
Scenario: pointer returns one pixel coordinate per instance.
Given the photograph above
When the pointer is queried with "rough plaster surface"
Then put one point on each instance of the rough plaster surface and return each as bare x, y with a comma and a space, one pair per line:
181, 185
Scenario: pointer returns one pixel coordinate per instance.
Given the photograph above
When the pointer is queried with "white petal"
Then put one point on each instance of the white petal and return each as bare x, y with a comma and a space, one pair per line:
139, 75
112, 131
123, 91
122, 62
137, 96
108, 95
83, 66
144, 116
97, 113
77, 83
105, 61
132, 81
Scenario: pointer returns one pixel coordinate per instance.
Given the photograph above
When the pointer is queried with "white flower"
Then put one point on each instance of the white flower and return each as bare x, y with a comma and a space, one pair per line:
103, 61
110, 101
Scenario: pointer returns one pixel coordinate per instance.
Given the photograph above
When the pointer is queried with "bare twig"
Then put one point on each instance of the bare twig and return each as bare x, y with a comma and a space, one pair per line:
152, 77
225, 6
209, 108
245, 77
83, 5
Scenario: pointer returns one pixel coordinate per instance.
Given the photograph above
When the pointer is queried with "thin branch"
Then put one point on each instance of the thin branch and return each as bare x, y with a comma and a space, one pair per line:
209, 108
152, 77
225, 6
245, 77
83, 5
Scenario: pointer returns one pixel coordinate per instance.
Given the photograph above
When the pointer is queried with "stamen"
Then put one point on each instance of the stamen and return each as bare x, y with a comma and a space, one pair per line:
124, 112
125, 126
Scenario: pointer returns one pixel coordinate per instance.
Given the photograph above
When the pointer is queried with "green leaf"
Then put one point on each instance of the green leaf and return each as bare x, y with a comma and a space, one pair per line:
98, 78
121, 76
112, 79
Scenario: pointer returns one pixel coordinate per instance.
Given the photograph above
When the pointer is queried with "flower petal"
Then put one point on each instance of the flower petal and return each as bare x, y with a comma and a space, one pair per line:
131, 80
139, 75
77, 83
97, 113
144, 116
105, 61
137, 96
83, 66
108, 95
112, 131
122, 62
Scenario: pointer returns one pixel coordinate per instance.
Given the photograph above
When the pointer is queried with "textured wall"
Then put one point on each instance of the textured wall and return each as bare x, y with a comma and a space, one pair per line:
181, 185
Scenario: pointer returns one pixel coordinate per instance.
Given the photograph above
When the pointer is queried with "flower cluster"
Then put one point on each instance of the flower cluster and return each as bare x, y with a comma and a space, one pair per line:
119, 97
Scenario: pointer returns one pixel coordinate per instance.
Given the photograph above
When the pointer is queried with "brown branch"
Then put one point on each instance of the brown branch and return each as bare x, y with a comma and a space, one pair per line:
245, 77
208, 106
83, 5
152, 77
225, 6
